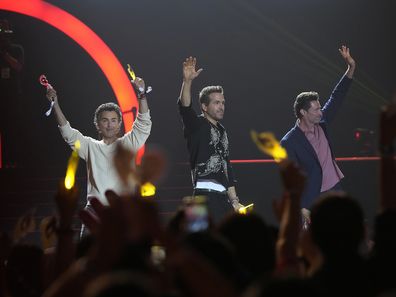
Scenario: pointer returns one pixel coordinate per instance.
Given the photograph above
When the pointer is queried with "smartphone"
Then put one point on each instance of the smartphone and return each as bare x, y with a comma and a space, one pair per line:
196, 213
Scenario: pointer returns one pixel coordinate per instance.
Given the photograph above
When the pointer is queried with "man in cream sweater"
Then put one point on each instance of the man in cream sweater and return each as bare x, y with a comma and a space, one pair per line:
99, 154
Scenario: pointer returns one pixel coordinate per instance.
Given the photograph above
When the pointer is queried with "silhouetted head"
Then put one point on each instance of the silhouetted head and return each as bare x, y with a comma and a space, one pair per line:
337, 225
23, 271
121, 284
253, 240
384, 234
219, 252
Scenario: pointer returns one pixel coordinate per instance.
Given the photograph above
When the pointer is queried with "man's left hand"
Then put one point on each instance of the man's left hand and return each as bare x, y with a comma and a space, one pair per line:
139, 86
344, 51
236, 205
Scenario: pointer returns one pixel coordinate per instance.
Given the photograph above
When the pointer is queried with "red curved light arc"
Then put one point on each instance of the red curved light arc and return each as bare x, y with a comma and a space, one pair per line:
90, 42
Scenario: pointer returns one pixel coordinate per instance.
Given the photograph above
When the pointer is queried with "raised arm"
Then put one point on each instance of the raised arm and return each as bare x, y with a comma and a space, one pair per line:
140, 89
141, 129
339, 92
189, 74
344, 51
69, 134
60, 117
290, 220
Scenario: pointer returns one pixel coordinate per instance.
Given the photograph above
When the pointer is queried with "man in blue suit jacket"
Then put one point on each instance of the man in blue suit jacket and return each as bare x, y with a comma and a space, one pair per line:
308, 143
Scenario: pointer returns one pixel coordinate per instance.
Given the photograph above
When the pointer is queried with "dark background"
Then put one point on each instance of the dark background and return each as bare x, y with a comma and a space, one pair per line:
262, 52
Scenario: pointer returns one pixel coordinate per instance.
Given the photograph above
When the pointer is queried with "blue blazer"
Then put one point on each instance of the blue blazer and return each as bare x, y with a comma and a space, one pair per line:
300, 150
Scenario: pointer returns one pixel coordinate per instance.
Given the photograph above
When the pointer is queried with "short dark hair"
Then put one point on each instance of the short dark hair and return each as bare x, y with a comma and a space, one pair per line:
303, 101
337, 223
205, 92
110, 106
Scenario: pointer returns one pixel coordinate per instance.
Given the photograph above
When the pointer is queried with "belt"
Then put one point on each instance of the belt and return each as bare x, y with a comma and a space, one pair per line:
209, 191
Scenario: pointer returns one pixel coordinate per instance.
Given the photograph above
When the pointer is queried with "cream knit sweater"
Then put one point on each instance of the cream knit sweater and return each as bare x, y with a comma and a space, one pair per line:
101, 173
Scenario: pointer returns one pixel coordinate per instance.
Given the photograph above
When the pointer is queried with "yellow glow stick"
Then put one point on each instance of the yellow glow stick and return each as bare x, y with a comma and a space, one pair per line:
147, 190
268, 144
246, 209
131, 72
72, 167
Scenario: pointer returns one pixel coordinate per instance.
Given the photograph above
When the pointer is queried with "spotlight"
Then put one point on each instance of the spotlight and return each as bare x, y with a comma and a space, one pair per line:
364, 141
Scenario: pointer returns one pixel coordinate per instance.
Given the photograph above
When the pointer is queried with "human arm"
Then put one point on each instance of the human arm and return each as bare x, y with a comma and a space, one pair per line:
189, 74
287, 143
340, 90
140, 89
66, 202
231, 190
143, 105
344, 51
123, 227
59, 116
234, 199
141, 128
69, 134
140, 132
290, 219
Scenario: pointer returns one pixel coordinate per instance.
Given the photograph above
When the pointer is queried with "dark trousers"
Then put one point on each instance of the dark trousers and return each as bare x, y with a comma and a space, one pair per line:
217, 202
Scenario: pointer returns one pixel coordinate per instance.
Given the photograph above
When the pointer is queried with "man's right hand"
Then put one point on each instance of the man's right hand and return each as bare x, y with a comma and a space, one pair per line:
51, 95
189, 72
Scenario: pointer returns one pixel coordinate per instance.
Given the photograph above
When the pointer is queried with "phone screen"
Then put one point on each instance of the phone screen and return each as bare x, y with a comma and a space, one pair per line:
196, 212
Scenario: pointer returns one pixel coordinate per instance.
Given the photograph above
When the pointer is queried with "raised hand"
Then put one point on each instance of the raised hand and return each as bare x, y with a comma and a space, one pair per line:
293, 180
48, 232
25, 224
140, 87
189, 69
90, 217
66, 202
152, 166
292, 177
139, 83
344, 51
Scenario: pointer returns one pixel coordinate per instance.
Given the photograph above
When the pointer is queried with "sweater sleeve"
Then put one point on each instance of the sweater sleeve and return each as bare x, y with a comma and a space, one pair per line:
140, 132
71, 135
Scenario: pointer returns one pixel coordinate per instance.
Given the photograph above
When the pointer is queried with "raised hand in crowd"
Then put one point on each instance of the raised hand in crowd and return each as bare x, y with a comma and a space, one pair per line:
66, 204
25, 225
48, 235
288, 211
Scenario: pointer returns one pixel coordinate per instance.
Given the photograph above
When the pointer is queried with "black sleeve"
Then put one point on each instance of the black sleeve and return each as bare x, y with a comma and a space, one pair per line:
336, 98
189, 118
231, 176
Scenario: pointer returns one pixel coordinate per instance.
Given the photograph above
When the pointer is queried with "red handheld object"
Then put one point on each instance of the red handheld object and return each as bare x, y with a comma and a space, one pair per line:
44, 81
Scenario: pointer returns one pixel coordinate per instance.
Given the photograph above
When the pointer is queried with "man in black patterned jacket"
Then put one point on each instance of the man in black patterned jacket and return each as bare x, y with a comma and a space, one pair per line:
207, 143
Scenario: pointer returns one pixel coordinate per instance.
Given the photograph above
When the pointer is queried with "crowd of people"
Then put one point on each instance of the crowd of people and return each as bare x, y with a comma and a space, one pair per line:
128, 251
